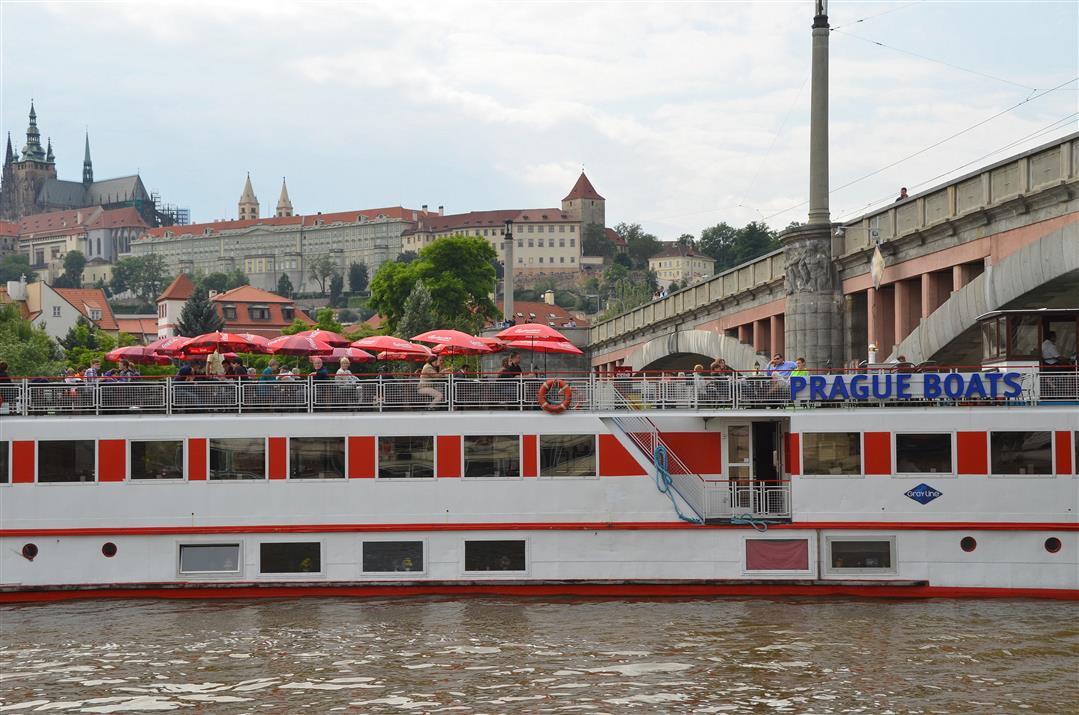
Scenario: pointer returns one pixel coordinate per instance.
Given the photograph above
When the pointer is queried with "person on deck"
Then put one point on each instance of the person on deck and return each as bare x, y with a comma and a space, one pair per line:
800, 368
429, 376
320, 372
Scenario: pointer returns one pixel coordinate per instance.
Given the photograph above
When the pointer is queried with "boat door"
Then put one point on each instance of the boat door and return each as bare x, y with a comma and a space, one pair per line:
754, 465
740, 465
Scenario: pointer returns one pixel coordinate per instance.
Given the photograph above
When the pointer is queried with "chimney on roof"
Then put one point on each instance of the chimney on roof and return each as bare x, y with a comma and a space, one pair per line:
441, 210
211, 293
424, 207
548, 297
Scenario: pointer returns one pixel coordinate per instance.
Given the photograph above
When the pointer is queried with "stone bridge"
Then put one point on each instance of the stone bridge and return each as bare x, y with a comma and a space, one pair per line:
1003, 236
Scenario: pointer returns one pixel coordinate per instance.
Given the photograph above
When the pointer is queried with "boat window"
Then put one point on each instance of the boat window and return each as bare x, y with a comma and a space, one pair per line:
290, 557
777, 554
495, 555
209, 558
1023, 335
1021, 453
392, 556
862, 555
492, 456
989, 340
157, 459
567, 455
832, 453
236, 458
316, 458
4, 462
65, 461
923, 453
406, 457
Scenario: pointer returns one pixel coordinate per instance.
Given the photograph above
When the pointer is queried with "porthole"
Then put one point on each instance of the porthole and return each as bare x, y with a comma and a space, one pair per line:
29, 551
1052, 544
968, 544
108, 549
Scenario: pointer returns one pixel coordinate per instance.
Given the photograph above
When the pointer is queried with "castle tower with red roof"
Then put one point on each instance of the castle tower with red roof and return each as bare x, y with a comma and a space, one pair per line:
584, 202
248, 205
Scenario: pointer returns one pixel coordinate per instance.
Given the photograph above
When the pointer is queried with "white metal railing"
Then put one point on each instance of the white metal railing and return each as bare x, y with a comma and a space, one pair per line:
591, 393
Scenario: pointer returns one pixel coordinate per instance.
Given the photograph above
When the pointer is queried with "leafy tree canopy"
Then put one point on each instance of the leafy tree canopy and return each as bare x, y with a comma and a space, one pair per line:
27, 349
14, 266
418, 314
284, 286
640, 245
320, 268
198, 317
594, 241
337, 288
142, 275
74, 264
357, 277
732, 246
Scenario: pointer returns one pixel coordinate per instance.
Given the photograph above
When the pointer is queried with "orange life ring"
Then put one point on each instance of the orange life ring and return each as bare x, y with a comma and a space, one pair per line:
555, 407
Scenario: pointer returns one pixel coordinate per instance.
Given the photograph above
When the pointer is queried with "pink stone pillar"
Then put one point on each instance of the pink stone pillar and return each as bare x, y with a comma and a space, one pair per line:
907, 308
761, 337
745, 333
935, 290
775, 330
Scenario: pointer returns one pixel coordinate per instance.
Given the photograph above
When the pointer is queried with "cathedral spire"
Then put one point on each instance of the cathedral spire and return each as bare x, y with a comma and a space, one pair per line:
284, 205
9, 155
33, 150
249, 203
87, 165
49, 157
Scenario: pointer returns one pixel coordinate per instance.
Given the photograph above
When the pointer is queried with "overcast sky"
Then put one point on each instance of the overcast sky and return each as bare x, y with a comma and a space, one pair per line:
682, 114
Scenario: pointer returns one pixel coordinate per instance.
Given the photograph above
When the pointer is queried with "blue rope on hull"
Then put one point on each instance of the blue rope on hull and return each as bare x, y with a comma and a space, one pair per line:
664, 482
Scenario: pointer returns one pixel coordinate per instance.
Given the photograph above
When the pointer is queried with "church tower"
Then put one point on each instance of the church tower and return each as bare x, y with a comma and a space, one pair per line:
284, 205
87, 165
249, 204
23, 177
584, 203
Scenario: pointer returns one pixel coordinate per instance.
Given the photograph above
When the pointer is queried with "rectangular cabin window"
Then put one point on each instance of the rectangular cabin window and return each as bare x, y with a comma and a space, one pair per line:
838, 453
209, 558
1023, 332
290, 557
495, 555
777, 554
316, 457
567, 455
923, 454
235, 458
406, 457
4, 462
392, 556
1017, 453
492, 456
66, 461
876, 555
157, 460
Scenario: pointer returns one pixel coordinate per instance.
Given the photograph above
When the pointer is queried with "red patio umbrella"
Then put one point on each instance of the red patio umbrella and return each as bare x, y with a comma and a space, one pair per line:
254, 339
390, 344
297, 345
141, 354
168, 346
495, 344
219, 342
531, 331
453, 342
353, 354
545, 346
334, 340
406, 357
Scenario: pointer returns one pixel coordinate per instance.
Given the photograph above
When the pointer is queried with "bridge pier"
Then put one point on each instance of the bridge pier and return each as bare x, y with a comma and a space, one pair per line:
813, 320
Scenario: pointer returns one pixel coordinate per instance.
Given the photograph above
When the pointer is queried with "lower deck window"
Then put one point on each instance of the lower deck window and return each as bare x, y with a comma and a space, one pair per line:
838, 453
1021, 453
3, 462
290, 557
316, 458
777, 555
567, 455
923, 453
65, 461
237, 459
492, 456
406, 457
494, 556
867, 555
157, 460
209, 558
392, 556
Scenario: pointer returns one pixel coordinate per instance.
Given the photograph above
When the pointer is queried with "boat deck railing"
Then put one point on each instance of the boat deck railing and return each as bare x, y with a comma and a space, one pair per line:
576, 392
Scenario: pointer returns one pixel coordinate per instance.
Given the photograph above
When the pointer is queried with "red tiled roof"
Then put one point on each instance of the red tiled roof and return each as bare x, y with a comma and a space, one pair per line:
614, 238
489, 219
59, 221
677, 250
9, 228
244, 298
525, 309
249, 294
85, 299
181, 288
583, 190
126, 217
139, 327
201, 229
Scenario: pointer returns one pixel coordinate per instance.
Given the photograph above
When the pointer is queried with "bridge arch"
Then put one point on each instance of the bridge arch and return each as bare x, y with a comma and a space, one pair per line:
682, 349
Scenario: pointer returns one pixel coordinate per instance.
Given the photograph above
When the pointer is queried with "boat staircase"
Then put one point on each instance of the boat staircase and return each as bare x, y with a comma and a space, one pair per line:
700, 499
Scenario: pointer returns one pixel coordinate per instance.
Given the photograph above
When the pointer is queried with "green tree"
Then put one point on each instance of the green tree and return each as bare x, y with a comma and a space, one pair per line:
357, 277
326, 320
142, 275
594, 241
390, 289
686, 240
213, 282
320, 268
337, 287
198, 317
640, 246
74, 264
236, 278
417, 315
407, 257
733, 246
284, 286
28, 350
14, 266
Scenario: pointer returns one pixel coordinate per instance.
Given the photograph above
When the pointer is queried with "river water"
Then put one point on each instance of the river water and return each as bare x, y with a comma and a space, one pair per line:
489, 655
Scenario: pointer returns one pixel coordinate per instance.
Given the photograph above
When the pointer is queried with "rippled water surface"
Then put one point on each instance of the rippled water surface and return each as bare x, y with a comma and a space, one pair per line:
517, 656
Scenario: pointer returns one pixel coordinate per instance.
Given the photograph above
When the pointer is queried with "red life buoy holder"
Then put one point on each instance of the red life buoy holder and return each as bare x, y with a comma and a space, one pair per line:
555, 407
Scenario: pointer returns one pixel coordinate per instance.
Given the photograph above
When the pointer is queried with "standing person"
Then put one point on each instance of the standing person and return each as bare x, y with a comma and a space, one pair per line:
430, 375
902, 195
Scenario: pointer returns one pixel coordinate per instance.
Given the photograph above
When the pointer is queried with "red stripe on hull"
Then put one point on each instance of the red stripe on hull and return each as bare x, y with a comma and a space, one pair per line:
587, 590
539, 526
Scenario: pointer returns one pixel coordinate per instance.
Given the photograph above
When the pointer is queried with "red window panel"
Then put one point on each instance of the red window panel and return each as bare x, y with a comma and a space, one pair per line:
877, 448
278, 453
615, 460
529, 456
111, 460
448, 450
196, 460
23, 459
777, 554
1064, 453
972, 452
361, 458
794, 453
700, 452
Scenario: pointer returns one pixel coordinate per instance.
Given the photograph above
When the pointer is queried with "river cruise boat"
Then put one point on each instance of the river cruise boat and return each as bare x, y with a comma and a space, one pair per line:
887, 481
